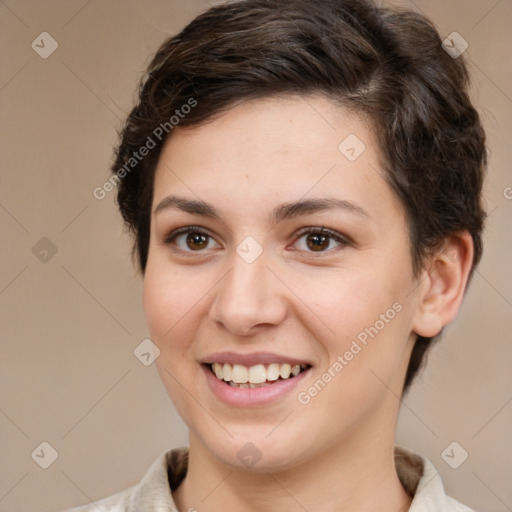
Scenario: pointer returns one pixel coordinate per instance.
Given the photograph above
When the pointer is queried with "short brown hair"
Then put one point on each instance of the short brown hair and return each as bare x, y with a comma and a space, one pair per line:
384, 63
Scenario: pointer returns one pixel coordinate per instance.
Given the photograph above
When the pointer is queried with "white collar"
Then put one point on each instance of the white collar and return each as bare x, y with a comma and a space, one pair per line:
153, 494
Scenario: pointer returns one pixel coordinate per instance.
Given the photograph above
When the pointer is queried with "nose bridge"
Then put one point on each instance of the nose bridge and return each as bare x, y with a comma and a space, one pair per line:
248, 296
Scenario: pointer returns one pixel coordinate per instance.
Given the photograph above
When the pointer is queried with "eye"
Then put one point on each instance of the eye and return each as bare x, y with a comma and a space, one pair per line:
190, 239
320, 240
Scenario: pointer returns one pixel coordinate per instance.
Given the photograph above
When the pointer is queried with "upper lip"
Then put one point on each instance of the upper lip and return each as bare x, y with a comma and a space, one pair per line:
253, 359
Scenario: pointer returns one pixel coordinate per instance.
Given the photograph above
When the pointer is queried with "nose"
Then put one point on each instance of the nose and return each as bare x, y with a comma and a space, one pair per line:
249, 298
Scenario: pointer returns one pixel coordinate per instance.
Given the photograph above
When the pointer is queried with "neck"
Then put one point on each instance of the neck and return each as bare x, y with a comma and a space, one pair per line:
353, 476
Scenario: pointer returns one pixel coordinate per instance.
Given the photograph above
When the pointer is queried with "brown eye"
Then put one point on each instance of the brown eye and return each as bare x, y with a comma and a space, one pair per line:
190, 239
196, 241
321, 240
317, 242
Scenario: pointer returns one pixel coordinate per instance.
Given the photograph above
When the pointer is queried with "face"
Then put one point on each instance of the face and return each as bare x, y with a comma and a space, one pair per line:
275, 241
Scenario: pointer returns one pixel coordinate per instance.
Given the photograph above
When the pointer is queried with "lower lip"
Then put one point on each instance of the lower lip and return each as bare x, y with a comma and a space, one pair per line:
247, 397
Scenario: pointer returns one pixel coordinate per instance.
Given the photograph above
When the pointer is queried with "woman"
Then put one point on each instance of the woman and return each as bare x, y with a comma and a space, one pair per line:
303, 180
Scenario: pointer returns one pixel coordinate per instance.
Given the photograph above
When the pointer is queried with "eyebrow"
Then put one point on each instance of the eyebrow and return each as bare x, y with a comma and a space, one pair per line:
281, 212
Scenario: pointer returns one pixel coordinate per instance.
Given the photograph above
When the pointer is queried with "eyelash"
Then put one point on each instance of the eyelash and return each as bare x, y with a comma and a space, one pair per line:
343, 241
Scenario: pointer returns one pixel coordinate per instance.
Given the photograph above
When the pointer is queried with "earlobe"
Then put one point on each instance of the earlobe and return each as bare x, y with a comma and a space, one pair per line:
442, 285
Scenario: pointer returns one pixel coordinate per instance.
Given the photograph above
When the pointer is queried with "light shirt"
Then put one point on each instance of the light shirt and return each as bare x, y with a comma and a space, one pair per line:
417, 474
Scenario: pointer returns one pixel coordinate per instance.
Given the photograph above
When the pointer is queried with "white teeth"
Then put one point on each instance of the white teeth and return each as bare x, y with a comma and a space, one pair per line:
295, 370
255, 376
217, 369
240, 375
285, 371
227, 371
273, 371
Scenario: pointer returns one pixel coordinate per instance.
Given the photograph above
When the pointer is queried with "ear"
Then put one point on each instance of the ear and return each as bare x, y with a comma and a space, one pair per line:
442, 285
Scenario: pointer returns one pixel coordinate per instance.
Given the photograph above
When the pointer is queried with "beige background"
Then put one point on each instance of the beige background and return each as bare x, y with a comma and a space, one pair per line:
70, 325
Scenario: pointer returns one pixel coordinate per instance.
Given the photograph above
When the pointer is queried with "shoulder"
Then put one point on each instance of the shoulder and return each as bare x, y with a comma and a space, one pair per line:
119, 502
423, 482
154, 492
456, 506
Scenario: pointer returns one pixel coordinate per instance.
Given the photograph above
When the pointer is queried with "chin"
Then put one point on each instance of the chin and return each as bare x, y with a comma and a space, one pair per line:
254, 451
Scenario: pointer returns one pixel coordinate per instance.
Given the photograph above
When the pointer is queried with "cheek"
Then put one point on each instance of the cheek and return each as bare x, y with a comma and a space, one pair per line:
366, 320
168, 302
348, 301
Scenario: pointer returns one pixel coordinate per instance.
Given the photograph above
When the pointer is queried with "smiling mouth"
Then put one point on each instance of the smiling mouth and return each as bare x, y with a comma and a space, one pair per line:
256, 376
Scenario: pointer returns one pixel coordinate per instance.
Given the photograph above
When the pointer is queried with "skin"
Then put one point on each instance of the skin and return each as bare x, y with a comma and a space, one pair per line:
336, 452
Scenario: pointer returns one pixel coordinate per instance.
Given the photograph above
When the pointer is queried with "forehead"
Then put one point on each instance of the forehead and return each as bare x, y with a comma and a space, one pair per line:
276, 149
